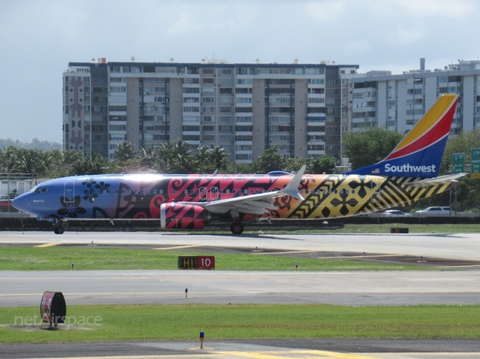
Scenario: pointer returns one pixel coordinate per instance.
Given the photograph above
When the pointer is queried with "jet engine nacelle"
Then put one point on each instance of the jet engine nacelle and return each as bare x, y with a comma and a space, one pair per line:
183, 215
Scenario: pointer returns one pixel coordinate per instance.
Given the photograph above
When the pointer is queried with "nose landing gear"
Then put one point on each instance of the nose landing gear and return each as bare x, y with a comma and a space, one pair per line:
58, 229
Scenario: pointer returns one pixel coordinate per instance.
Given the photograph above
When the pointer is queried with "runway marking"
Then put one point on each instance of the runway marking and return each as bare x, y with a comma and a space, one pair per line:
297, 354
178, 247
48, 245
318, 354
364, 256
329, 257
277, 253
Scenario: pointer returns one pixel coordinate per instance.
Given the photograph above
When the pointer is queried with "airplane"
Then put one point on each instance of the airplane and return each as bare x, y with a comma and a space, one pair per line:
407, 174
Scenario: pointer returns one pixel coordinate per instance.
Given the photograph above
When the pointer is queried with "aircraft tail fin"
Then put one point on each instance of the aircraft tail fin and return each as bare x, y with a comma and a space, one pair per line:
420, 152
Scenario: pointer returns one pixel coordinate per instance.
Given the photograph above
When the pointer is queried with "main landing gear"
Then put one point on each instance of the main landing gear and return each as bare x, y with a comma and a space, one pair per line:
237, 227
58, 229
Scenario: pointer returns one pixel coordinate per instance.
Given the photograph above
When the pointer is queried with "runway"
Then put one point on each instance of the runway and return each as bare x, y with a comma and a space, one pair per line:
459, 286
435, 245
223, 287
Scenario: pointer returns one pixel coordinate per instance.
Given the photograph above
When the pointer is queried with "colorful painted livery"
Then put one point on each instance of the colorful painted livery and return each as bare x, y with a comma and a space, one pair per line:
191, 201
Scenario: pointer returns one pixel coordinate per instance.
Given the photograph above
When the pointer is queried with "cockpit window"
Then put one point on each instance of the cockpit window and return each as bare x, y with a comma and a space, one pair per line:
41, 189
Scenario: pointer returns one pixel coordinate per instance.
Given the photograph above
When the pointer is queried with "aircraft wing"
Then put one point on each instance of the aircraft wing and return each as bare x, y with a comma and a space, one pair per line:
256, 203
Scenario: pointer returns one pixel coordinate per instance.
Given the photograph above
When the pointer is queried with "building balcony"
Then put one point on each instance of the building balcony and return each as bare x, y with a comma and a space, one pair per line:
316, 152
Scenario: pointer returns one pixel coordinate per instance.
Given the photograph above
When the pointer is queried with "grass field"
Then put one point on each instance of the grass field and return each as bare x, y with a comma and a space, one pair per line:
184, 322
447, 228
96, 258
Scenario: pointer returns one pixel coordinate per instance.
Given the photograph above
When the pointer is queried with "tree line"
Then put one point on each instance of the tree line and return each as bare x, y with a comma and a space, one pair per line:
171, 157
362, 148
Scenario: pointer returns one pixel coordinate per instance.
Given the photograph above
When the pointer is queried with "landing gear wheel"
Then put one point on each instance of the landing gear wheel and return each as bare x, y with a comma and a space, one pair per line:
237, 227
58, 230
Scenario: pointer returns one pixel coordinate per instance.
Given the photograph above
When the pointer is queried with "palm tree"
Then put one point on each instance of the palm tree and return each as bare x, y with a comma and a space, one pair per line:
165, 154
28, 161
174, 157
124, 152
182, 164
10, 160
218, 158
96, 164
148, 156
182, 148
201, 160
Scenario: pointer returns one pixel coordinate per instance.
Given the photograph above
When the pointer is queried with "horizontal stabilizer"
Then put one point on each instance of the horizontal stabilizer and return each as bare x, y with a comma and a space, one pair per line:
435, 181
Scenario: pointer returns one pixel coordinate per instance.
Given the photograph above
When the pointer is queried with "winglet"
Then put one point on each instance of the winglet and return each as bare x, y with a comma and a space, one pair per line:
291, 189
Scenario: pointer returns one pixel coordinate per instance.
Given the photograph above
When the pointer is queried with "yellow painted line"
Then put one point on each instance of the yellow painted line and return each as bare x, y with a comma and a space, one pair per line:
48, 245
258, 355
295, 353
364, 256
276, 253
318, 354
177, 247
334, 257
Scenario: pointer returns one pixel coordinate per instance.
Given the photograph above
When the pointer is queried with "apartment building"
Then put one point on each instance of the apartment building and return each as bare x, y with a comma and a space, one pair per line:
245, 108
397, 102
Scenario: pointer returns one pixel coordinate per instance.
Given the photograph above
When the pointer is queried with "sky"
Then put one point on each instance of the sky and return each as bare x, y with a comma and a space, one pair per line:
38, 38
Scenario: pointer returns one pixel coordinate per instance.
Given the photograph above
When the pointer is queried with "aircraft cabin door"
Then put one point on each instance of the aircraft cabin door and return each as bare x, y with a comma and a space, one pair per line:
69, 192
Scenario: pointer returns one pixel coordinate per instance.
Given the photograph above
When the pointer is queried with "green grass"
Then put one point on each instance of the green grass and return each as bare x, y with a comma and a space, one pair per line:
184, 322
95, 258
420, 228
437, 228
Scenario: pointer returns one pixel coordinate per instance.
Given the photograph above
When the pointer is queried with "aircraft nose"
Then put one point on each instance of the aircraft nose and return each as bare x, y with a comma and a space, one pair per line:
22, 202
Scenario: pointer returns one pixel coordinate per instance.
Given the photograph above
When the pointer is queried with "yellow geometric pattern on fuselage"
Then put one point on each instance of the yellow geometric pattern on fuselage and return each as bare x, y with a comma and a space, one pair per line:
331, 196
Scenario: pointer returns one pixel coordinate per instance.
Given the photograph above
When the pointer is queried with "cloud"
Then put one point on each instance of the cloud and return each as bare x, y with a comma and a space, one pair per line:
422, 8
358, 47
436, 8
326, 11
404, 35
184, 24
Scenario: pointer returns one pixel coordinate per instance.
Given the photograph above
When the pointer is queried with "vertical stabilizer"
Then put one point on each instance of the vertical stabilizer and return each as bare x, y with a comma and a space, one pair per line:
420, 152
